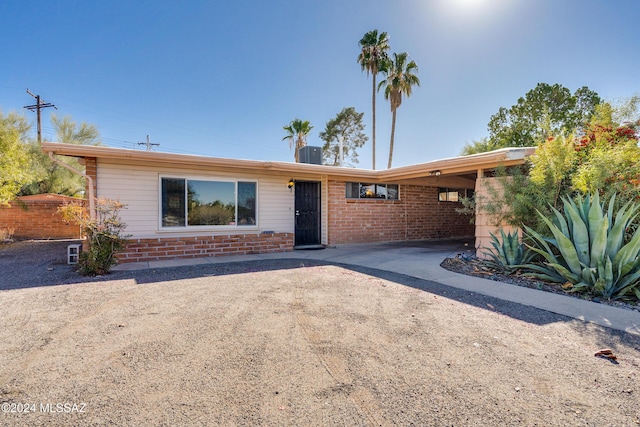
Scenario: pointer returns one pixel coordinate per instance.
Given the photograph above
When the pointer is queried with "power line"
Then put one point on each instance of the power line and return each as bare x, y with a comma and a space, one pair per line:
121, 143
39, 105
121, 116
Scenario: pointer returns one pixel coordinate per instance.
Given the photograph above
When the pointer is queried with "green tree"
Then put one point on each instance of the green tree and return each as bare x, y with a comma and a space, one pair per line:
399, 81
544, 110
480, 146
585, 104
69, 132
551, 165
604, 159
50, 177
297, 132
14, 156
522, 124
348, 127
372, 58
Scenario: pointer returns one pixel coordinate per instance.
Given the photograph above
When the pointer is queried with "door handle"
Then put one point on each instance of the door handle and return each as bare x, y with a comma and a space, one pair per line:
297, 212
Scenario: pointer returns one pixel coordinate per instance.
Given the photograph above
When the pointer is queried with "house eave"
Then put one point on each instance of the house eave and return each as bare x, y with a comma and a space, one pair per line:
461, 164
449, 166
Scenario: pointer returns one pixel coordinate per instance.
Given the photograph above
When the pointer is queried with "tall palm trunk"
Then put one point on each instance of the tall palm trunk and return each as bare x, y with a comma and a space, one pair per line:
373, 131
371, 58
398, 82
299, 144
393, 133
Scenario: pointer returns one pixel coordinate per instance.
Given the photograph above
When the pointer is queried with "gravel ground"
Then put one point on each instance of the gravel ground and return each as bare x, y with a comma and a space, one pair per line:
291, 343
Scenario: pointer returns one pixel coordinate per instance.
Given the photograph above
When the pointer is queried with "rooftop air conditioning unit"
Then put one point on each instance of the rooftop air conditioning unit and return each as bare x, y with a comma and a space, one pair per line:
310, 154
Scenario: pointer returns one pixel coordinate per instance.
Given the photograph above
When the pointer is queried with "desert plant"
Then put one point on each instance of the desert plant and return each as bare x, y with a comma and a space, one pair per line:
103, 233
588, 249
508, 254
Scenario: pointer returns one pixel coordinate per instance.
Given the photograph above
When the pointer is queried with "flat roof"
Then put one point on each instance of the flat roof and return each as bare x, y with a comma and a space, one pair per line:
451, 166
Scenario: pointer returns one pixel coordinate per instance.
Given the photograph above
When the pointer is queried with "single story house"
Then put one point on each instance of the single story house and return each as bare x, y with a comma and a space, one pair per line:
185, 206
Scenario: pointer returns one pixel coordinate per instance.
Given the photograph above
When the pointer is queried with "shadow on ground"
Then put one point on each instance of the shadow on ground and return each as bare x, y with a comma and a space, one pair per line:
37, 264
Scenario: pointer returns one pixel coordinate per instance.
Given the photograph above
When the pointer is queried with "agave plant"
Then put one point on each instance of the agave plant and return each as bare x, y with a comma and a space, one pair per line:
588, 248
508, 254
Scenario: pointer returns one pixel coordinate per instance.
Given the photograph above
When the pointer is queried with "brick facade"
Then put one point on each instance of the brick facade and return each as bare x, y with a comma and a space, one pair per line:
36, 217
418, 215
91, 169
139, 250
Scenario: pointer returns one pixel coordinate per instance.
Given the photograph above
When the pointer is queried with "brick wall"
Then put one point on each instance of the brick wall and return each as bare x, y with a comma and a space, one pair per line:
91, 169
138, 250
417, 216
36, 217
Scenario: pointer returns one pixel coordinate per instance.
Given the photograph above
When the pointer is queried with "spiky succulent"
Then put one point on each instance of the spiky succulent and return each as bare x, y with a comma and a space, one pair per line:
508, 254
588, 248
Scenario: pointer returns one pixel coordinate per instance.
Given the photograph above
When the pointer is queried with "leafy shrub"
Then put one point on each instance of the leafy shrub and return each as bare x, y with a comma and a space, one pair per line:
104, 234
508, 254
589, 250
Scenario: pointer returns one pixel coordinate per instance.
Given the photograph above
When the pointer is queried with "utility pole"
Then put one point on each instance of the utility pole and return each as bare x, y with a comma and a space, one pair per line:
39, 105
148, 144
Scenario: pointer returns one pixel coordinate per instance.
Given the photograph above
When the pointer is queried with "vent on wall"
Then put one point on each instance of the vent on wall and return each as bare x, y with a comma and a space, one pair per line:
73, 253
310, 154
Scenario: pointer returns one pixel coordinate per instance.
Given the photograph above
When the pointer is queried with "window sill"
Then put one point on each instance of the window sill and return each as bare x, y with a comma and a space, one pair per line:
207, 229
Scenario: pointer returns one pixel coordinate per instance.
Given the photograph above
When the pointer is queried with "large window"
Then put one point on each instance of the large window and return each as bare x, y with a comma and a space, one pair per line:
190, 202
360, 190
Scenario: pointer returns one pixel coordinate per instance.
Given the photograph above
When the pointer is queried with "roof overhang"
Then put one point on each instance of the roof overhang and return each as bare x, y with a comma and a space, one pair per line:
455, 166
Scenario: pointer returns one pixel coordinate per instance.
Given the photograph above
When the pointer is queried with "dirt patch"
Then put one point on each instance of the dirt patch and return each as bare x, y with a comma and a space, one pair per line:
292, 343
35, 263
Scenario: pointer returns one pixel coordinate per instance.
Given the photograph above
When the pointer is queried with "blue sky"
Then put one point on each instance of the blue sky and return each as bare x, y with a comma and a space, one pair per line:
221, 78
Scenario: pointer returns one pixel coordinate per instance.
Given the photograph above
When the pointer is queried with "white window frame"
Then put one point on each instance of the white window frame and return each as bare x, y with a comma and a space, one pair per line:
188, 178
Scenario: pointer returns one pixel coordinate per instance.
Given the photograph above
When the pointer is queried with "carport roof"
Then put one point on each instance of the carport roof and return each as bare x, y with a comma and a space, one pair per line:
451, 166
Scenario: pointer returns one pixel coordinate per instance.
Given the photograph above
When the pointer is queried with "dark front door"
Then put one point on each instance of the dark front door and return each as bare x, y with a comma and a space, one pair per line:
307, 211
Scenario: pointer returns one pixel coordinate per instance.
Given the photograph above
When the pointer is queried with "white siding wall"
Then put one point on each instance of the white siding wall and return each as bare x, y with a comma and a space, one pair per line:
138, 187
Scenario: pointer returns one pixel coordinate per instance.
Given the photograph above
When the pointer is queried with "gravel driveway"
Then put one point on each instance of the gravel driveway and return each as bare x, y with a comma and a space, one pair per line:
288, 342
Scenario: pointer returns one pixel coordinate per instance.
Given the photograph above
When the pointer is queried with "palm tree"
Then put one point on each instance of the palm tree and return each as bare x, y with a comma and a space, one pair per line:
297, 135
400, 78
372, 58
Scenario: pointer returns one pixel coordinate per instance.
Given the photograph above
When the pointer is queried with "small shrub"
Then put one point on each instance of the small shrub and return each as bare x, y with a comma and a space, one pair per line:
104, 234
508, 254
589, 249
